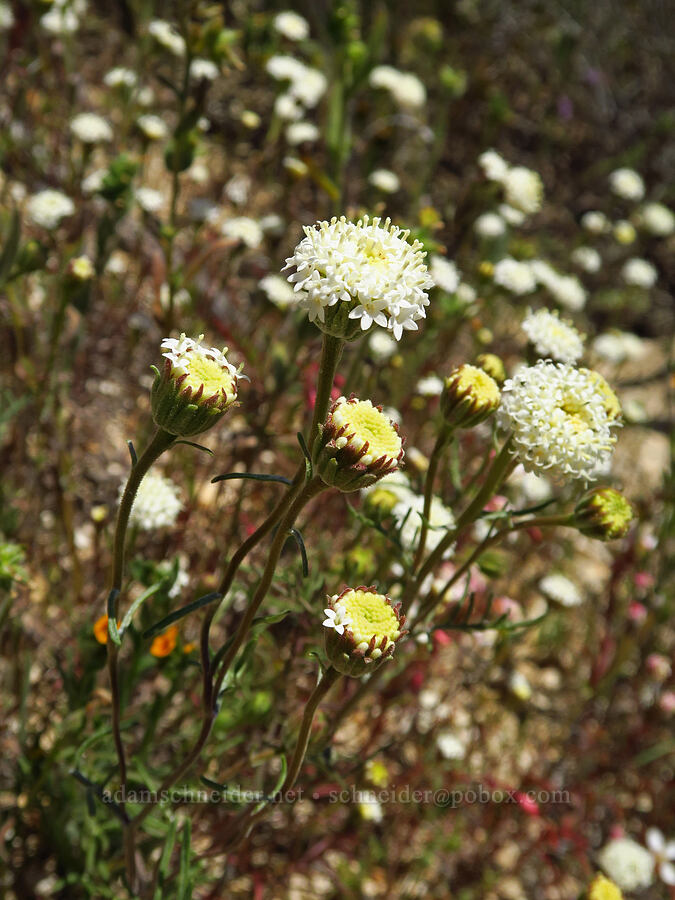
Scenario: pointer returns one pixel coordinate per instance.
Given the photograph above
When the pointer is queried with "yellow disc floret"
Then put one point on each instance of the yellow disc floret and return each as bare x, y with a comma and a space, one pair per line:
469, 396
609, 398
603, 889
365, 423
371, 617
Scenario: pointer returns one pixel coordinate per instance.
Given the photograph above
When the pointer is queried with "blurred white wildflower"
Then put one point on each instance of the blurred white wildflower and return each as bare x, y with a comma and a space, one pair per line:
153, 127
91, 128
368, 264
166, 36
285, 68
450, 746
81, 268
120, 77
627, 184
250, 119
624, 232
272, 223
444, 273
664, 854
157, 503
60, 20
238, 188
639, 272
300, 132
48, 207
489, 225
567, 290
493, 165
369, 806
94, 181
465, 293
552, 337
287, 108
408, 515
559, 588
559, 419
295, 166
291, 25
244, 229
519, 686
181, 297
510, 214
278, 291
587, 258
307, 85
618, 346
627, 863
515, 276
203, 70
531, 488
145, 96
523, 189
182, 579
405, 88
6, 17
657, 219
429, 386
384, 180
149, 199
382, 346
118, 263
595, 222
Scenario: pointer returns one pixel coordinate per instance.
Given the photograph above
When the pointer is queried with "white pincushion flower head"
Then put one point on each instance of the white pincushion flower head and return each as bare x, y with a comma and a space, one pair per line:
153, 127
405, 88
353, 275
627, 184
514, 275
368, 625
166, 36
587, 258
384, 180
523, 189
244, 229
48, 207
278, 291
553, 337
195, 388
291, 25
558, 587
157, 503
627, 863
91, 128
493, 165
357, 445
657, 219
445, 274
559, 419
639, 273
595, 222
120, 77
489, 225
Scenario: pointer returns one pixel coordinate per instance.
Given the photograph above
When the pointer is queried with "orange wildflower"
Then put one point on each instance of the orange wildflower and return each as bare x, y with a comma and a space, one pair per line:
101, 630
163, 644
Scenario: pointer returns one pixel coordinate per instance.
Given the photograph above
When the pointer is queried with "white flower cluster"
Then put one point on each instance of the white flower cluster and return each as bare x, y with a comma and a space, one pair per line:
587, 258
618, 346
445, 274
369, 265
149, 199
48, 207
291, 25
307, 85
627, 184
515, 276
552, 337
91, 128
120, 77
6, 17
384, 180
627, 863
301, 132
166, 36
489, 225
278, 290
63, 17
203, 70
657, 219
559, 588
639, 273
244, 229
595, 222
566, 290
405, 88
560, 419
523, 188
157, 503
153, 127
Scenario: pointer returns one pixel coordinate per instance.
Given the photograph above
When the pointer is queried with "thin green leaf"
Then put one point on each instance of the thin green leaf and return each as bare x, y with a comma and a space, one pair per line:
126, 621
115, 808
112, 621
262, 622
197, 446
184, 892
181, 613
251, 475
309, 468
165, 858
303, 551
132, 453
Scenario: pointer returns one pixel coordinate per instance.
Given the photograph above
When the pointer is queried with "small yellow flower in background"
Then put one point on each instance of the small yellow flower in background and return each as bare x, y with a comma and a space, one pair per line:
469, 396
602, 888
624, 232
376, 772
165, 643
81, 268
492, 364
362, 628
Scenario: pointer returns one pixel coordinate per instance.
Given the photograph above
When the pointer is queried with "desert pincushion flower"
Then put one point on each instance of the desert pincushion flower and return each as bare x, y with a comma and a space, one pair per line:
559, 419
195, 388
357, 445
469, 396
553, 337
350, 276
603, 513
362, 628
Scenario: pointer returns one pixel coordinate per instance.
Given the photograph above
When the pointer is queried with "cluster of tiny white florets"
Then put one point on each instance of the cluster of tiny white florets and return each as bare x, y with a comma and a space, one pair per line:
189, 357
153, 127
627, 863
559, 418
406, 88
566, 290
157, 503
91, 128
657, 219
306, 85
523, 189
48, 207
639, 272
627, 184
553, 337
368, 263
587, 258
514, 275
558, 587
166, 36
291, 25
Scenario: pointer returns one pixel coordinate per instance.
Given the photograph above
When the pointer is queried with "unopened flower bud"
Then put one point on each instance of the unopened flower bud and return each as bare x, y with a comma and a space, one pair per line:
195, 388
357, 445
493, 365
469, 396
603, 513
362, 628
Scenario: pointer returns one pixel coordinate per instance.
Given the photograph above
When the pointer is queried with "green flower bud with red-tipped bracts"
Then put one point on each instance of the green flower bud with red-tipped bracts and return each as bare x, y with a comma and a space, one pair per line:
195, 388
603, 513
357, 445
362, 629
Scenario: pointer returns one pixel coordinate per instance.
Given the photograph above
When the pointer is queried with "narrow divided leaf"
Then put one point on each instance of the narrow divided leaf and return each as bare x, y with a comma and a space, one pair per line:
180, 613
